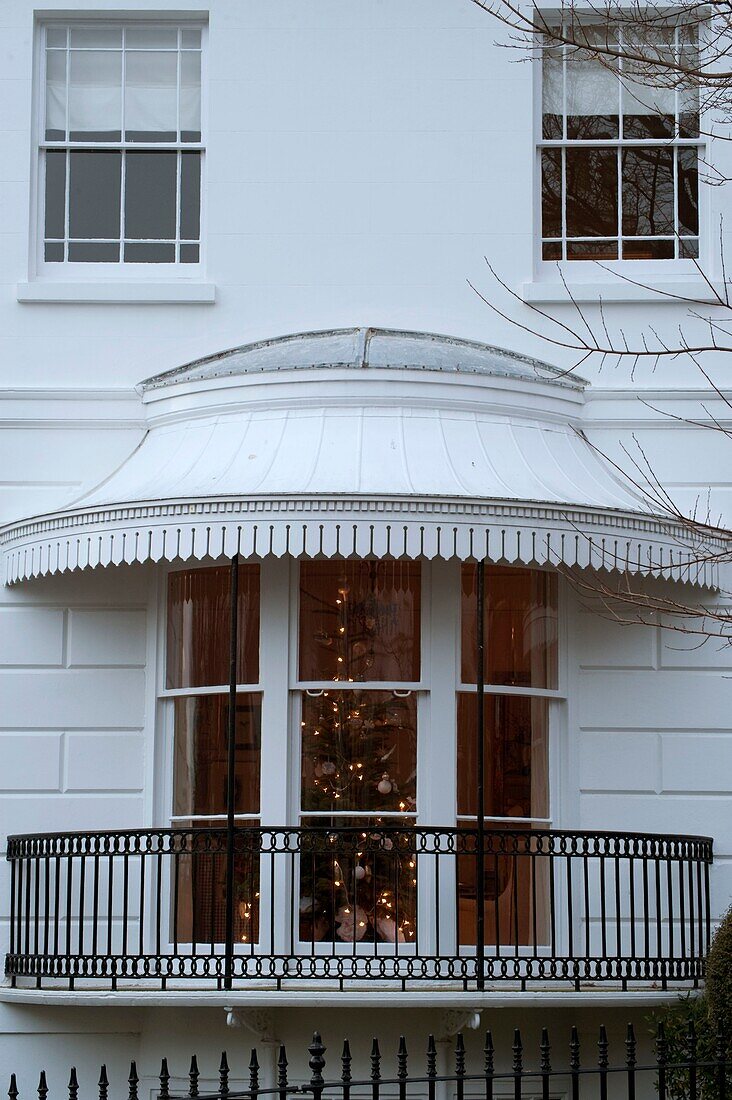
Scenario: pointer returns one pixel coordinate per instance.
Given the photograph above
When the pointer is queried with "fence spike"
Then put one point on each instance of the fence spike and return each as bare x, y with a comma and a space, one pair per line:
488, 1054
346, 1063
73, 1084
223, 1075
133, 1080
459, 1055
253, 1071
164, 1092
574, 1051
316, 1050
375, 1061
402, 1058
545, 1049
431, 1057
661, 1060
103, 1083
193, 1076
518, 1053
13, 1087
282, 1068
630, 1047
602, 1048
42, 1086
722, 1042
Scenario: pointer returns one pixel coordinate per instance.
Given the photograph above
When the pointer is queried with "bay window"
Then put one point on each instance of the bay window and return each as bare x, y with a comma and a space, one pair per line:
121, 144
371, 727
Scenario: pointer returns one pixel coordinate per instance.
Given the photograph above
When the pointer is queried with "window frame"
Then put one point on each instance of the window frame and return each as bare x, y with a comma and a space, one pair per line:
121, 271
581, 269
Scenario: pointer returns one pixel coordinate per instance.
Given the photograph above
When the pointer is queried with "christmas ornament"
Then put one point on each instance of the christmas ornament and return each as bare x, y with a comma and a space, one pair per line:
385, 785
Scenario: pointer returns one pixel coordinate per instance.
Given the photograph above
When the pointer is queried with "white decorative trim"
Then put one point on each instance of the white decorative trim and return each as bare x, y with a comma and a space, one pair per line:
120, 293
500, 531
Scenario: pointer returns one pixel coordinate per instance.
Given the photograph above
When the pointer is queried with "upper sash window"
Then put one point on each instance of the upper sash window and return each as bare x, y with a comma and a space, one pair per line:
619, 157
121, 144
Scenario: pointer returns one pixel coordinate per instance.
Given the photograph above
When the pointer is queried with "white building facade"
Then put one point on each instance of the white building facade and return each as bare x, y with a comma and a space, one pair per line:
230, 236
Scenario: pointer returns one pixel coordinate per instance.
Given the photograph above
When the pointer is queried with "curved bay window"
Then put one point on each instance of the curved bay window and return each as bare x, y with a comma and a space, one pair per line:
380, 744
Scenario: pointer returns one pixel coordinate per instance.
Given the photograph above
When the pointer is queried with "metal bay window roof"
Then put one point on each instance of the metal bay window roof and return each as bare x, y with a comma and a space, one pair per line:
361, 442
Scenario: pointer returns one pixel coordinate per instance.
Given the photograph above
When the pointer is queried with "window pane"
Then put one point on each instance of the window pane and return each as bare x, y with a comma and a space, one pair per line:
520, 627
53, 253
359, 751
147, 38
93, 253
191, 38
150, 187
648, 191
105, 37
551, 193
95, 95
515, 754
552, 93
147, 253
688, 184
689, 248
198, 627
55, 193
360, 620
551, 250
55, 95
593, 98
200, 765
199, 882
151, 96
189, 254
592, 192
647, 111
56, 36
592, 250
190, 196
358, 883
94, 194
190, 96
648, 250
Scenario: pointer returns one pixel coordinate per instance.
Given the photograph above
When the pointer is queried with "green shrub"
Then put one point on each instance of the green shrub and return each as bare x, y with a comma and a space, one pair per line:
719, 977
709, 1016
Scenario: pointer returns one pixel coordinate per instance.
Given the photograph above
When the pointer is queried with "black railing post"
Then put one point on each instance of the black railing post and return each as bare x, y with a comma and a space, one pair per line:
231, 770
480, 779
316, 1050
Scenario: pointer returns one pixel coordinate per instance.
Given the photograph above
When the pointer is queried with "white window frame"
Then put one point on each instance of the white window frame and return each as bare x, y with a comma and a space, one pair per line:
636, 269
121, 271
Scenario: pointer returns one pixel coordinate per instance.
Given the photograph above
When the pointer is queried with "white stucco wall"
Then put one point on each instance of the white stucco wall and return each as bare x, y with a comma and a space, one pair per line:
362, 161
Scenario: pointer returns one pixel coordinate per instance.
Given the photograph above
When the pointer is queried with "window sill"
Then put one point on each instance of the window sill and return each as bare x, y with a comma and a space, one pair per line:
619, 290
120, 293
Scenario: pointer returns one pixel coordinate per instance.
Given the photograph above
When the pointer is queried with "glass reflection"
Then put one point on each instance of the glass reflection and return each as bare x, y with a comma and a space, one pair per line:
200, 755
359, 752
520, 627
199, 626
360, 620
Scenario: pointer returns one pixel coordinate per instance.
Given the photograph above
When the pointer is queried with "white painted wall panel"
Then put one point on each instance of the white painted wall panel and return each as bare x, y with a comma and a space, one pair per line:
106, 637
31, 636
619, 761
24, 813
104, 761
637, 700
697, 762
605, 643
91, 698
30, 762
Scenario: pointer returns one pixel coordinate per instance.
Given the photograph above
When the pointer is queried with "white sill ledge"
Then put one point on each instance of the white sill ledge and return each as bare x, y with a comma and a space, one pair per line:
619, 290
121, 293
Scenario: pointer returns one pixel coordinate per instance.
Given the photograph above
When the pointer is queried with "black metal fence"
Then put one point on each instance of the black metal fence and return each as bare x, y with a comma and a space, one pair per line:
559, 906
528, 1075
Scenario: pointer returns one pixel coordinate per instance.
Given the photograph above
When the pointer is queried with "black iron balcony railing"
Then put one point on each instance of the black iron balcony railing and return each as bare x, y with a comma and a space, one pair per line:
352, 904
